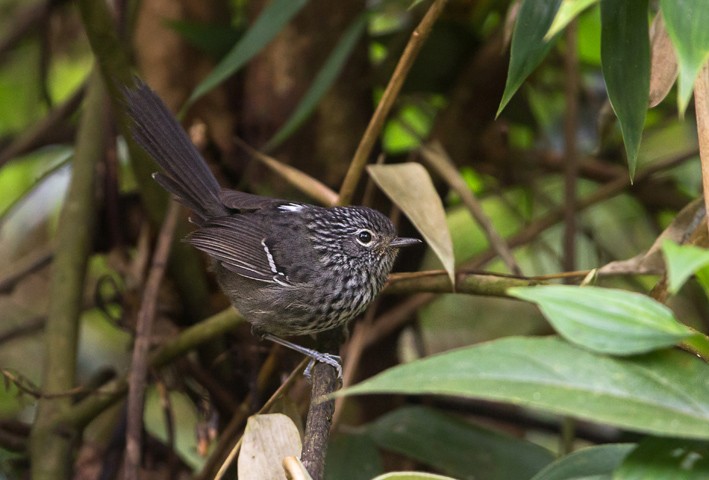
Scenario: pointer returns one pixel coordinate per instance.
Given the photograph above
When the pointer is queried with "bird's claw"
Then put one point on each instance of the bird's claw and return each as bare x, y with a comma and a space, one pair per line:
327, 358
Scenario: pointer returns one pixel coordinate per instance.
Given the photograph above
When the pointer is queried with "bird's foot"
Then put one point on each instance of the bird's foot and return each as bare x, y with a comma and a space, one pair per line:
327, 358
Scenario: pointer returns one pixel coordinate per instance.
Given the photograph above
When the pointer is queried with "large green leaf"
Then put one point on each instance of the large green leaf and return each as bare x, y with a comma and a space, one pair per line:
665, 392
625, 58
214, 40
682, 262
271, 20
666, 458
686, 22
528, 44
352, 457
593, 462
322, 82
456, 447
606, 320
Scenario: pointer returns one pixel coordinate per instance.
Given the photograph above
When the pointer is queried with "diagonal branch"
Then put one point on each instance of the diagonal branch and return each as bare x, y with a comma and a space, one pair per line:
364, 149
139, 365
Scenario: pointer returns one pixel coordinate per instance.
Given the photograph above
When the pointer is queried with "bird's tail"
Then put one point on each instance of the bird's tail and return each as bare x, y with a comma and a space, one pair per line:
186, 175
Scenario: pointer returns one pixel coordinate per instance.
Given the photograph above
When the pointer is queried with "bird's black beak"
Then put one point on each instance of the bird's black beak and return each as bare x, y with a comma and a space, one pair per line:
399, 242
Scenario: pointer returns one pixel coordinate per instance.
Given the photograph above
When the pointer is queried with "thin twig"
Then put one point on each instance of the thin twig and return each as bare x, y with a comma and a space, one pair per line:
29, 326
571, 160
36, 133
25, 266
438, 159
364, 149
137, 379
571, 171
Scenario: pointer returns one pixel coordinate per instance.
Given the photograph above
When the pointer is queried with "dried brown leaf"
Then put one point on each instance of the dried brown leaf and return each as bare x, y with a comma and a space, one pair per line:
409, 186
651, 262
663, 62
268, 440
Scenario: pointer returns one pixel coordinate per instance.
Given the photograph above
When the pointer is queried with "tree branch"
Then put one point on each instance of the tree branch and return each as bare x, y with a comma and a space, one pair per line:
320, 411
51, 450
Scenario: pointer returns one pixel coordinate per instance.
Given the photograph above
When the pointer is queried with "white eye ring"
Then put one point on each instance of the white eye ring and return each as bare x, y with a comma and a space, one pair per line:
364, 237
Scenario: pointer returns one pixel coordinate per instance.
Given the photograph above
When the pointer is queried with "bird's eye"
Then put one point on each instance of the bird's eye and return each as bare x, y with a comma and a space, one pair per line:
364, 237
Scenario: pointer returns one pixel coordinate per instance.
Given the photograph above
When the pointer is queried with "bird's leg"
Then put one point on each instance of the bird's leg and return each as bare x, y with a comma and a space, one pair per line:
327, 358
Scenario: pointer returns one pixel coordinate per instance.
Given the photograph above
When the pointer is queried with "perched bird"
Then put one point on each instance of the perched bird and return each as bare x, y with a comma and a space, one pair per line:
289, 268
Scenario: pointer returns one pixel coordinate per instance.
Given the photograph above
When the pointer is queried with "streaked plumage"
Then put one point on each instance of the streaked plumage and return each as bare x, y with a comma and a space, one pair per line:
289, 268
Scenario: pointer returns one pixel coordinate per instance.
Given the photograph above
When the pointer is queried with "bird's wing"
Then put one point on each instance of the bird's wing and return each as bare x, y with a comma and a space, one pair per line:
240, 243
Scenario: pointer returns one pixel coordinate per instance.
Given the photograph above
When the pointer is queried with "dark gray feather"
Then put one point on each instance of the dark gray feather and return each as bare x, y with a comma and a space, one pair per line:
158, 133
240, 244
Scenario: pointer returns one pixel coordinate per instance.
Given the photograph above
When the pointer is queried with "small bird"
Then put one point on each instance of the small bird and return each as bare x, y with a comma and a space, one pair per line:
289, 268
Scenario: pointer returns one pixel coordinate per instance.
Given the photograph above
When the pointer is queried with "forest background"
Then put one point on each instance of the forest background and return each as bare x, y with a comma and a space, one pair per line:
550, 153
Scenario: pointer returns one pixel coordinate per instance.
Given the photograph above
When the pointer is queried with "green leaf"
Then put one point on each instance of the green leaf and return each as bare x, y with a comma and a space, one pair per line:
183, 438
589, 37
352, 457
598, 461
625, 59
410, 187
435, 439
682, 262
265, 28
322, 82
606, 320
528, 44
568, 10
665, 392
686, 22
703, 279
214, 40
666, 458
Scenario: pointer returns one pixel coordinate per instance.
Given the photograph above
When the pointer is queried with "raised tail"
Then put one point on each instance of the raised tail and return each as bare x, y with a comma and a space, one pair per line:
186, 174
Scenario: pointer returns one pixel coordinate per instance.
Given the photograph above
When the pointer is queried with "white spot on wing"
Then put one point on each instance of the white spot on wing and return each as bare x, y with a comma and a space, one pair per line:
291, 207
271, 263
